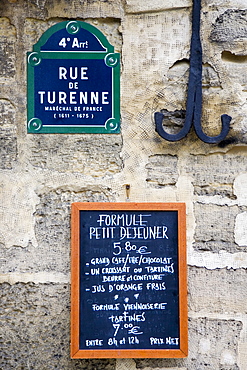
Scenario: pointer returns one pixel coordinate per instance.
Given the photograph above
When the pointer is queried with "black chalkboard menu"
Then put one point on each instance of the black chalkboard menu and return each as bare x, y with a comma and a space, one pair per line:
128, 280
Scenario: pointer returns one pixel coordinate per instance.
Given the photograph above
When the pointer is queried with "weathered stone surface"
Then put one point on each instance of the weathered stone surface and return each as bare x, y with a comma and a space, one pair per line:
214, 174
8, 138
178, 77
23, 8
36, 330
136, 6
240, 189
7, 49
110, 26
208, 346
158, 368
226, 25
154, 48
8, 135
36, 334
83, 9
179, 73
215, 228
236, 67
94, 155
44, 174
18, 200
240, 231
229, 26
44, 9
53, 225
162, 170
218, 291
52, 230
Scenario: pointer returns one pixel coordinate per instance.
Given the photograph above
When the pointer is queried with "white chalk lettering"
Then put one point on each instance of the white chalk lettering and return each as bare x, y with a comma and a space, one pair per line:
172, 341
151, 260
122, 220
94, 342
144, 306
125, 287
148, 277
101, 232
106, 279
126, 317
152, 269
100, 261
98, 289
149, 232
115, 270
105, 307
156, 286
155, 341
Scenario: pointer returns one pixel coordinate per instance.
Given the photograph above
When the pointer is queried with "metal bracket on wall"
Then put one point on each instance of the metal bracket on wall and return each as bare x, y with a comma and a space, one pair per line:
194, 96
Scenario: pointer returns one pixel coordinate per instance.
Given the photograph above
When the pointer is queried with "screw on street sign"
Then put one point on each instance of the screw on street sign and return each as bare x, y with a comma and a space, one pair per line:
73, 78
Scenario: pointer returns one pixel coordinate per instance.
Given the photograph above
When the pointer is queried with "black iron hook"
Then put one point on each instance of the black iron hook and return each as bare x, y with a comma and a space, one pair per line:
194, 95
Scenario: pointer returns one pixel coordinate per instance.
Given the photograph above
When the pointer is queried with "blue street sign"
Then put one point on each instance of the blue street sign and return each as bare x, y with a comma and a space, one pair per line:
73, 81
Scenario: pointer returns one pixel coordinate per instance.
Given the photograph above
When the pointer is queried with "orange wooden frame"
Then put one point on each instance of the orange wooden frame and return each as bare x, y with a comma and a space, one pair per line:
76, 353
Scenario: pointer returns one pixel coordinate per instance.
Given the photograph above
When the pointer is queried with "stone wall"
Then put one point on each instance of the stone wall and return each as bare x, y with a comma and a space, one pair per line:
41, 175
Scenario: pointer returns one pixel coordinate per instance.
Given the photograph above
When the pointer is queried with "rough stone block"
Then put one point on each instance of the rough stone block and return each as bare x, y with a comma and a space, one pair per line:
36, 330
214, 174
160, 39
236, 67
218, 291
52, 229
240, 229
7, 49
240, 189
82, 9
208, 347
18, 200
229, 26
179, 73
93, 155
134, 6
161, 368
162, 170
215, 228
8, 135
